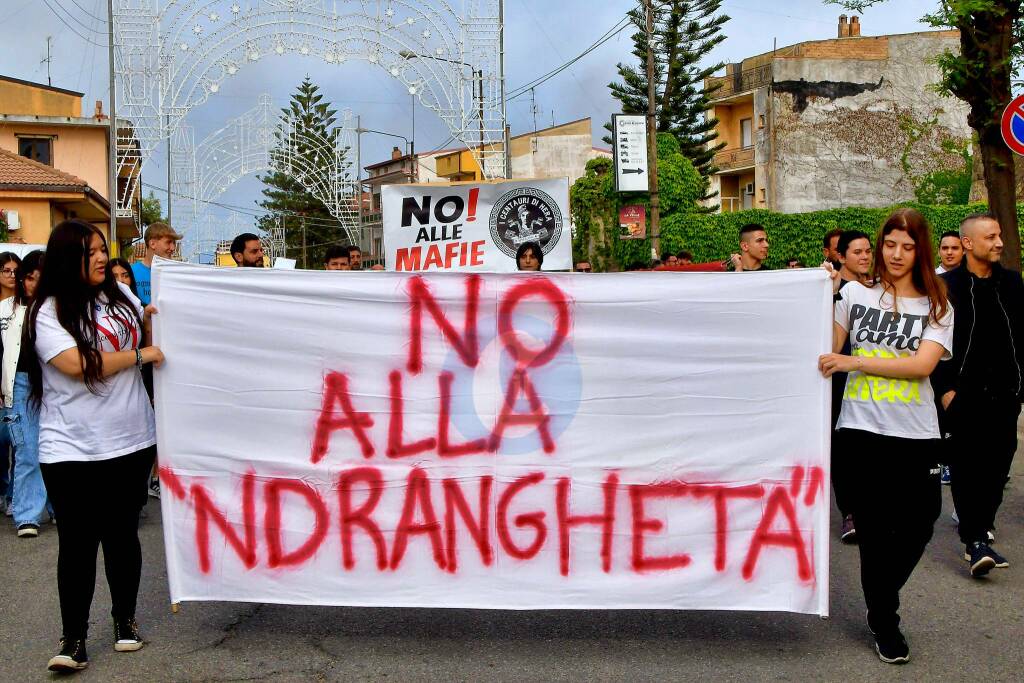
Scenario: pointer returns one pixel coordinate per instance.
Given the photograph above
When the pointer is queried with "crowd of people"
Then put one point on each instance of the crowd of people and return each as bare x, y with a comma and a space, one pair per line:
926, 368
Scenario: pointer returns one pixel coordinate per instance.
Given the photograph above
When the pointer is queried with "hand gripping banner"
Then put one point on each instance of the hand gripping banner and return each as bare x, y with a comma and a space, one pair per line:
519, 441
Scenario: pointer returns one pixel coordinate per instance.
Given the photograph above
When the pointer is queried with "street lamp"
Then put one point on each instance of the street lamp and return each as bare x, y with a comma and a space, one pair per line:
478, 74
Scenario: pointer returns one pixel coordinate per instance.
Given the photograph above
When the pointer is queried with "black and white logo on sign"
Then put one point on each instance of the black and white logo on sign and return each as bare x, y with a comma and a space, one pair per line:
522, 215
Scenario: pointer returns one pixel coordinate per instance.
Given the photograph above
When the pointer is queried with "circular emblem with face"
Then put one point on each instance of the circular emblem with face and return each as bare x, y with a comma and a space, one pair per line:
522, 215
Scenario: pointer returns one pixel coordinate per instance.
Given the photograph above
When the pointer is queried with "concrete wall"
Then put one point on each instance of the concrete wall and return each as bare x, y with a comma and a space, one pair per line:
862, 132
554, 157
25, 100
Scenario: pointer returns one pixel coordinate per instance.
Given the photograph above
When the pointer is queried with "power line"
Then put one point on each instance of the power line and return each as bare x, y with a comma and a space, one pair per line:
88, 13
608, 35
69, 26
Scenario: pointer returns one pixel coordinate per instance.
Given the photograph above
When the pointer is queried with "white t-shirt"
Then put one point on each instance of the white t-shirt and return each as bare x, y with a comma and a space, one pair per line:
903, 408
74, 423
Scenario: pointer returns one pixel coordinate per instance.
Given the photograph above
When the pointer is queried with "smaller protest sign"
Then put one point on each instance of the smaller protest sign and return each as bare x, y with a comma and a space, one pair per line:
475, 226
633, 222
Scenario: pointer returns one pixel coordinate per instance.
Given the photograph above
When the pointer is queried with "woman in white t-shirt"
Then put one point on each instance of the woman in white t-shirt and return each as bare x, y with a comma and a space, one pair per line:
96, 429
899, 329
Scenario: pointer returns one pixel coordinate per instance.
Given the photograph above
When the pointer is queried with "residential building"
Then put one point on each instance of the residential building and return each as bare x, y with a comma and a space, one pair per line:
849, 121
45, 124
559, 151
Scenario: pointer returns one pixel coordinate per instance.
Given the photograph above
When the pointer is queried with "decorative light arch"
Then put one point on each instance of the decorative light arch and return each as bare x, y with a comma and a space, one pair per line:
173, 55
257, 141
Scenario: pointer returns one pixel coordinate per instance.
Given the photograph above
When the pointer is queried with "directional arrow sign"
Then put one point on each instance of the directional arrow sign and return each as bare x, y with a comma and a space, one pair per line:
630, 135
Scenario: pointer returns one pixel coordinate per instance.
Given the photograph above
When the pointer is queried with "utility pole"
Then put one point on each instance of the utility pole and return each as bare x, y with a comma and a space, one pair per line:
167, 119
112, 190
304, 266
47, 61
504, 103
480, 96
652, 136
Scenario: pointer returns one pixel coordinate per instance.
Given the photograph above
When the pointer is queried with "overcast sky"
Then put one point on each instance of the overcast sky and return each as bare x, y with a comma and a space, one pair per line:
540, 35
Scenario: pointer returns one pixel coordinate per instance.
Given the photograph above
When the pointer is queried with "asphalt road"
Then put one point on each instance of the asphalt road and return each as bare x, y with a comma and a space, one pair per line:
958, 628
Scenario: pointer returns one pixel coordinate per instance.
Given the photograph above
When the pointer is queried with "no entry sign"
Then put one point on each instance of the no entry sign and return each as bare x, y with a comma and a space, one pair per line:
1013, 125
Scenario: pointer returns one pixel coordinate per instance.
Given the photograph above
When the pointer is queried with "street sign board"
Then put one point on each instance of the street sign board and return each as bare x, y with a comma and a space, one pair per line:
630, 133
1013, 125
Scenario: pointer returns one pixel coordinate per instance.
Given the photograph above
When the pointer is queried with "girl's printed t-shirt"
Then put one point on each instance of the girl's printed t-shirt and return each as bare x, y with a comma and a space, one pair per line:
74, 423
883, 326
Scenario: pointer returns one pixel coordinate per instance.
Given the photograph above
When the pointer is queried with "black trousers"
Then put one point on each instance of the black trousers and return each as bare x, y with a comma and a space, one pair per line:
983, 440
97, 503
896, 500
843, 468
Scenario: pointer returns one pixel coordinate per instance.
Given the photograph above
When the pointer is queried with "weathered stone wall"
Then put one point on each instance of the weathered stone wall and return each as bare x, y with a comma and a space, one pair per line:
555, 156
862, 132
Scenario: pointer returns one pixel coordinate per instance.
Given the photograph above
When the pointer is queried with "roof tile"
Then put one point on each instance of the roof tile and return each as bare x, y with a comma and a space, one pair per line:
17, 170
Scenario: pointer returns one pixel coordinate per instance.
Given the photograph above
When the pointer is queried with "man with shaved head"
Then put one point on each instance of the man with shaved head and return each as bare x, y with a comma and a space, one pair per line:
981, 389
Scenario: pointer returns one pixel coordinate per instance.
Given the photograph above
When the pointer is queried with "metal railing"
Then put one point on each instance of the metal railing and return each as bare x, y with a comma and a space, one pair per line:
731, 159
743, 81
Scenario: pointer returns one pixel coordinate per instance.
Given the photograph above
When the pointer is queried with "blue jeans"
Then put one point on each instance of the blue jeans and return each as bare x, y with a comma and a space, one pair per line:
23, 422
5, 463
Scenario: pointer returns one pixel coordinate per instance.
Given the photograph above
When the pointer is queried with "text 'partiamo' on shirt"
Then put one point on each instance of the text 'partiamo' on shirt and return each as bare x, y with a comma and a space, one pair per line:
883, 326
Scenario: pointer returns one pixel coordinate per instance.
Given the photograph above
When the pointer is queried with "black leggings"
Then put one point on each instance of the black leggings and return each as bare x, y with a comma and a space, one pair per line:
95, 503
896, 498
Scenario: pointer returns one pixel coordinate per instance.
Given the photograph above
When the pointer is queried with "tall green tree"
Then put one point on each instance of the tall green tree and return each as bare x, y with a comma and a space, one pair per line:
981, 74
306, 218
685, 32
152, 210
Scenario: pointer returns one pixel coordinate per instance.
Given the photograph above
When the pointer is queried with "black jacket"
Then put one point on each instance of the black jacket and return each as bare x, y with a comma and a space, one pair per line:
1010, 295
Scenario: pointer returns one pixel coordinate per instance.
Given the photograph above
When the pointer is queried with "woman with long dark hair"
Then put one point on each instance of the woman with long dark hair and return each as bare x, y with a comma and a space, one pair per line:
529, 256
96, 429
123, 273
20, 415
9, 265
900, 327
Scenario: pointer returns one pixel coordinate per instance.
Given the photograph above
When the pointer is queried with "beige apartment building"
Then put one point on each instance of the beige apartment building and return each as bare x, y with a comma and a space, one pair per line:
54, 164
849, 121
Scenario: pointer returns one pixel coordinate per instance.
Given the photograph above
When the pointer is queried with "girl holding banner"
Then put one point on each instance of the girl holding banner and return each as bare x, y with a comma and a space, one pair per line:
899, 328
96, 429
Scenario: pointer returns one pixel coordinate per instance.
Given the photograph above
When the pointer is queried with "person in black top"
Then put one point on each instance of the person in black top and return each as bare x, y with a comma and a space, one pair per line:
982, 387
854, 250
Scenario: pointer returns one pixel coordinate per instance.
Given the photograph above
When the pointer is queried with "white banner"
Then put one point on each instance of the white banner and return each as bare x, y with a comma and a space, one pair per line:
475, 226
635, 440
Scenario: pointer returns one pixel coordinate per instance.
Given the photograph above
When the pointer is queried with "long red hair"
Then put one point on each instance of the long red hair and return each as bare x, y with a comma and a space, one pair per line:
922, 274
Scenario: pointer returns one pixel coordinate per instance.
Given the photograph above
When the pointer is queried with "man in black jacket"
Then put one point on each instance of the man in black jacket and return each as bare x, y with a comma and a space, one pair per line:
982, 386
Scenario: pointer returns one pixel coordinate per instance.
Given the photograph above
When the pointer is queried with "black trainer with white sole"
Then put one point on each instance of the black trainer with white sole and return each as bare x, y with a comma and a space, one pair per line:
126, 636
72, 657
892, 647
981, 558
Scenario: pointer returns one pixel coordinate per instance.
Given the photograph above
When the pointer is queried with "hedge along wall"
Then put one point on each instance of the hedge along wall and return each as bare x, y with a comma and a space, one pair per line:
713, 237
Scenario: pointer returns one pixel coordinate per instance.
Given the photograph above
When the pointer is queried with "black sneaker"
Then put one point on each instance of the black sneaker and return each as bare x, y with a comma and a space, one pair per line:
28, 530
1001, 562
892, 647
847, 530
72, 657
126, 635
154, 488
981, 557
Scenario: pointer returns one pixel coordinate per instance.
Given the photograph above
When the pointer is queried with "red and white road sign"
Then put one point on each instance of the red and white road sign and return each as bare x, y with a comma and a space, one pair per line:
1013, 125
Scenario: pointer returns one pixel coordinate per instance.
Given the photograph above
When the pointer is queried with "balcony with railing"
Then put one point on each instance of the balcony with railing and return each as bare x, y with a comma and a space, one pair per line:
734, 84
734, 159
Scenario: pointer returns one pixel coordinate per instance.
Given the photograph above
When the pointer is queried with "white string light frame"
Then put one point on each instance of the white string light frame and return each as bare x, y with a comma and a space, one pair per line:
261, 140
171, 56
